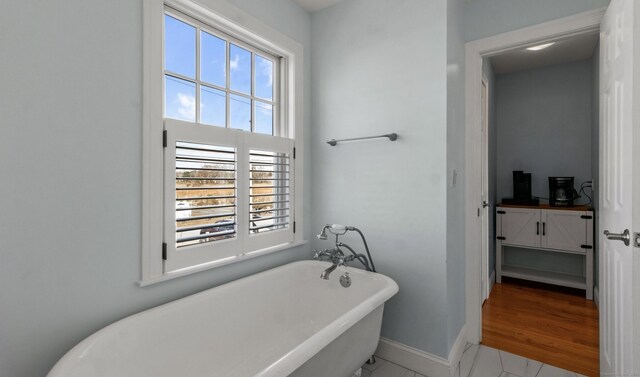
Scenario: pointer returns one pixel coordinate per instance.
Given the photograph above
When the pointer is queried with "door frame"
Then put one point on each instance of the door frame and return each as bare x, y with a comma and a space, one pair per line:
486, 283
583, 23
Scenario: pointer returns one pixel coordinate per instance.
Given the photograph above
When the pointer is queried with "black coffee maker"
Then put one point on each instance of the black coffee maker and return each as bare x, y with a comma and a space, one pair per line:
521, 185
561, 191
521, 190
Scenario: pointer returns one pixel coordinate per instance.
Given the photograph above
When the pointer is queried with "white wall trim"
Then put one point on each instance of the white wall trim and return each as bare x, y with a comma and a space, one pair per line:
582, 23
219, 263
152, 150
596, 296
457, 350
421, 361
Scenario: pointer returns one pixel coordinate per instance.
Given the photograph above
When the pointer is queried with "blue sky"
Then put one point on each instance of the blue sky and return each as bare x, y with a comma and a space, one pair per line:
180, 96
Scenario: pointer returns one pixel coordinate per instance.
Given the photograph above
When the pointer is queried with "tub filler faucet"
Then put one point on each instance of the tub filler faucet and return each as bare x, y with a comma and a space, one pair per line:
325, 274
337, 257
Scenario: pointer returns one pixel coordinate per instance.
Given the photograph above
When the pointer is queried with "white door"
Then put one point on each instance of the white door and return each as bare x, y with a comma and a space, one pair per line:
485, 190
617, 155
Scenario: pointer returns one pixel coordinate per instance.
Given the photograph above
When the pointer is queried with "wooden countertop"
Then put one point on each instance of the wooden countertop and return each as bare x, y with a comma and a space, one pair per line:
547, 206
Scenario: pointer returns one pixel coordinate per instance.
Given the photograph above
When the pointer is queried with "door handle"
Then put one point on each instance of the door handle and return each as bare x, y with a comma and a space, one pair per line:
537, 228
624, 236
485, 204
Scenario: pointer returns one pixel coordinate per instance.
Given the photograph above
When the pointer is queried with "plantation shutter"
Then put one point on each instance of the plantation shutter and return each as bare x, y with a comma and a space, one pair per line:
202, 210
227, 193
270, 191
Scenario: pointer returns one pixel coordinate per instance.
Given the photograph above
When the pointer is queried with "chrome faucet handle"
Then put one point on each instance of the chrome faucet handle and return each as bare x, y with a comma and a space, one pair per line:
335, 256
323, 255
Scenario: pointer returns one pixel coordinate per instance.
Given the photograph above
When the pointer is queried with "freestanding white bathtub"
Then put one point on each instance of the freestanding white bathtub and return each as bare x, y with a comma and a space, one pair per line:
282, 322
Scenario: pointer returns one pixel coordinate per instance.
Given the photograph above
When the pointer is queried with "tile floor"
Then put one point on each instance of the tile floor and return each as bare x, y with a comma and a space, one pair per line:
477, 361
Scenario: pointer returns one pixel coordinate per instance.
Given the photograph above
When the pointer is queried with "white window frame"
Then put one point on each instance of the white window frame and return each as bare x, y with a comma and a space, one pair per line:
219, 15
255, 51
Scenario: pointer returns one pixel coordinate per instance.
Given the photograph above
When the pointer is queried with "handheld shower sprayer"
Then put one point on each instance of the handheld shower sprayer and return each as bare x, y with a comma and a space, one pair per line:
335, 229
323, 234
338, 229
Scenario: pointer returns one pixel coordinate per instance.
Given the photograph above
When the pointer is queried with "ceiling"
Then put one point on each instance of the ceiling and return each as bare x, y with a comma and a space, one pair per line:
316, 5
567, 50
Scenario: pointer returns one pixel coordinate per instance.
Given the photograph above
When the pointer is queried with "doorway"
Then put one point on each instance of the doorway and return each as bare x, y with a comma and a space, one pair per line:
543, 99
620, 39
560, 31
539, 34
488, 274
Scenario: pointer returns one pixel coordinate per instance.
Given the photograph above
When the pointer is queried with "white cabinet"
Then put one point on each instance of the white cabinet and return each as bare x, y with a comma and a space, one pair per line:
551, 229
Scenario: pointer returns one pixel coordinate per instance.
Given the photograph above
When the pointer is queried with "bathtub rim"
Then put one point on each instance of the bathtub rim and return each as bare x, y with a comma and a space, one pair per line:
288, 362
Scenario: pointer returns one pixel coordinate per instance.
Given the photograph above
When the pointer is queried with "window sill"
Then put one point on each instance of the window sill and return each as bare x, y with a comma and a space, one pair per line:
208, 266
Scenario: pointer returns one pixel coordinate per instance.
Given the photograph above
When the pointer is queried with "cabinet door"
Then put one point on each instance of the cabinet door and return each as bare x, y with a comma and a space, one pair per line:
564, 230
521, 226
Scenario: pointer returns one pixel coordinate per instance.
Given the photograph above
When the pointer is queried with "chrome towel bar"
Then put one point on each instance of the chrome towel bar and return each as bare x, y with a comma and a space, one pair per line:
391, 136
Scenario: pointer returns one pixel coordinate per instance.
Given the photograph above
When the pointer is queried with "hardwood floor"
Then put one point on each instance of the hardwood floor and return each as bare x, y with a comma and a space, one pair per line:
556, 328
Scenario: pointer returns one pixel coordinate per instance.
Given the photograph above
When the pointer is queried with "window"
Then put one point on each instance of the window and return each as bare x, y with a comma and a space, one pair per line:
214, 79
228, 109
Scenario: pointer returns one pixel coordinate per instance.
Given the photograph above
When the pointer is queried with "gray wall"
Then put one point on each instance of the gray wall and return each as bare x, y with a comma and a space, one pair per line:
484, 18
70, 103
379, 67
544, 125
455, 165
487, 69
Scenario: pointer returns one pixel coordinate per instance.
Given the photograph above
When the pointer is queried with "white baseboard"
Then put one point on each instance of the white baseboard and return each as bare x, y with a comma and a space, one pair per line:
413, 358
457, 350
596, 296
420, 361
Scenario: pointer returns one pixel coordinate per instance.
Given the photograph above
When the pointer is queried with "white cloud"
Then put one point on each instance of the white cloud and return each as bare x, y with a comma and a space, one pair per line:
187, 106
267, 69
233, 64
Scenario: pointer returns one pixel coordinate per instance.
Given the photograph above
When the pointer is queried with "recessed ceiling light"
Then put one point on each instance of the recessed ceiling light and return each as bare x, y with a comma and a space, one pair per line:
541, 47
